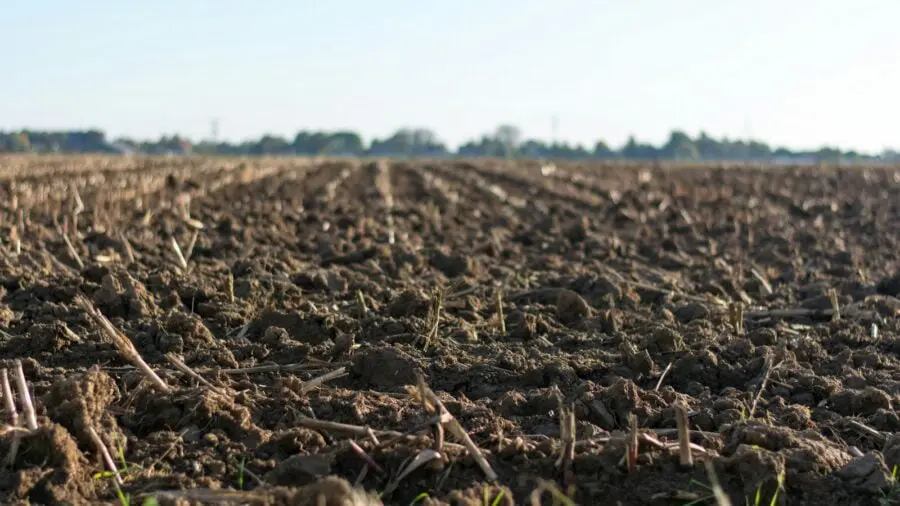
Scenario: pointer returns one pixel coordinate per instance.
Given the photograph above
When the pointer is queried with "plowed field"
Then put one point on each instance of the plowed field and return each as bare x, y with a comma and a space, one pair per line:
447, 332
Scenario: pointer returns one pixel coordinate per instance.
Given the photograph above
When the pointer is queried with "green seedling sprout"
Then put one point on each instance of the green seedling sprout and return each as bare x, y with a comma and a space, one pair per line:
241, 473
497, 498
419, 498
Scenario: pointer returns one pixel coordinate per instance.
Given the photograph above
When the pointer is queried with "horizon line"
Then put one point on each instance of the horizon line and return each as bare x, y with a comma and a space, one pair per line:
367, 140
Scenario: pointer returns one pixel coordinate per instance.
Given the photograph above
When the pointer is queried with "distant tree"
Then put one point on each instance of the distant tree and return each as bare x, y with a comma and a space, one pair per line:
400, 143
205, 148
827, 154
603, 151
486, 146
272, 145
22, 142
509, 137
426, 143
317, 143
533, 148
758, 150
680, 147
409, 142
890, 155
708, 148
344, 143
505, 140
637, 151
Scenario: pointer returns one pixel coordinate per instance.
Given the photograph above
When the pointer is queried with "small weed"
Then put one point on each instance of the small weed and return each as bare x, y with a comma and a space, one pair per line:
419, 498
124, 470
496, 502
774, 500
241, 473
892, 496
705, 499
124, 499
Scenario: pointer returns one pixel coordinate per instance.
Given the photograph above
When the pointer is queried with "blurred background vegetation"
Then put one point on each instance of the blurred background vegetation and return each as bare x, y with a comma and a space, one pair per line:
504, 141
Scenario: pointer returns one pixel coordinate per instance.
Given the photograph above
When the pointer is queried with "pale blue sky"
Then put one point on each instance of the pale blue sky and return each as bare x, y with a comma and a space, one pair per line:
797, 72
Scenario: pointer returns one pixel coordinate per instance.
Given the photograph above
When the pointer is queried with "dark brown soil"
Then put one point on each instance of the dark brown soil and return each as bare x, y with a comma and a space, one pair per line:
615, 292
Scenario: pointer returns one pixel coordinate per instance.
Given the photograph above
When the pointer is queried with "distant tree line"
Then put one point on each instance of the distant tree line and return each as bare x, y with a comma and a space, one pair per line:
505, 141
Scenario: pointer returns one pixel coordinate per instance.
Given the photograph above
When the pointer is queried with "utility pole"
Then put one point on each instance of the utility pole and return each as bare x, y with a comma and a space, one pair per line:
554, 128
214, 130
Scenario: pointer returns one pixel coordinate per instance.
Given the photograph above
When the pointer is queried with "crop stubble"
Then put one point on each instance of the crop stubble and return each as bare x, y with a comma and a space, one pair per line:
339, 322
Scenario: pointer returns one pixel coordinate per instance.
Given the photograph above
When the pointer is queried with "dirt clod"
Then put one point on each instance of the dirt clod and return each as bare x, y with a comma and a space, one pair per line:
571, 308
860, 402
82, 402
665, 340
691, 311
868, 474
384, 367
452, 264
299, 470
